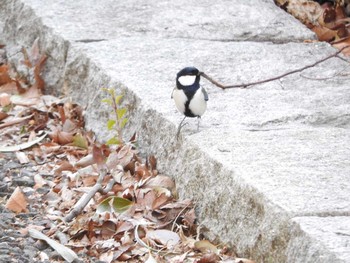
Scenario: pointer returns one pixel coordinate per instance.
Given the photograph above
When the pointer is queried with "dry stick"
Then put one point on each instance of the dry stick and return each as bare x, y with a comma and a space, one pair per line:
85, 199
178, 215
326, 78
274, 78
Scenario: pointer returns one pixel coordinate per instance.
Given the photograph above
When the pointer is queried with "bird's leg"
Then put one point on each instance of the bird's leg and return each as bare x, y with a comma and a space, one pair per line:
198, 121
180, 126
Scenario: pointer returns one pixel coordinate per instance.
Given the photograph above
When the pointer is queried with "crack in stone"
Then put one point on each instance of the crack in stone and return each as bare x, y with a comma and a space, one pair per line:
88, 40
315, 120
256, 39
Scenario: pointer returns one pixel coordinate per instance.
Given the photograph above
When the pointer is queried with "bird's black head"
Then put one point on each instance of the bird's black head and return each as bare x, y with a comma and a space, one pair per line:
188, 71
187, 77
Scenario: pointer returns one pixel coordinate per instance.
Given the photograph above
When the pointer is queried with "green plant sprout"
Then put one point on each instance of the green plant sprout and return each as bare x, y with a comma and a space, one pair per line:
117, 122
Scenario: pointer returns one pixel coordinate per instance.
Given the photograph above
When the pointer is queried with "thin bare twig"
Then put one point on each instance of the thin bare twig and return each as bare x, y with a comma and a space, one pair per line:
140, 241
246, 85
85, 199
108, 187
339, 73
178, 215
344, 59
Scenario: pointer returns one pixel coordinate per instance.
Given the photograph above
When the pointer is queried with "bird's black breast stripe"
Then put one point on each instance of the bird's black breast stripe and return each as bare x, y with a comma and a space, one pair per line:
188, 112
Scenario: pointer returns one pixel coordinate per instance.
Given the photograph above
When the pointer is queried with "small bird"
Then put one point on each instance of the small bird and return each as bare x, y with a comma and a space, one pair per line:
190, 98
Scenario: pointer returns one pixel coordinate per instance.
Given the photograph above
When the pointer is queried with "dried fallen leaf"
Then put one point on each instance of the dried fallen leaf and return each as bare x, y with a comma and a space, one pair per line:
161, 181
65, 252
17, 201
152, 161
342, 31
122, 157
39, 82
306, 11
23, 145
35, 59
5, 99
29, 98
141, 170
99, 155
150, 259
9, 88
341, 44
159, 201
14, 121
39, 181
123, 226
179, 204
4, 75
43, 256
209, 258
89, 180
69, 126
61, 137
22, 157
340, 13
64, 166
205, 246
80, 141
114, 204
107, 257
165, 237
189, 218
328, 15
3, 115
161, 190
85, 161
324, 33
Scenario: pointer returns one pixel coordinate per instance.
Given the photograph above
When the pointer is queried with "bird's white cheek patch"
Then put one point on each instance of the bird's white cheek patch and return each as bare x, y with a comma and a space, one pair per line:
180, 100
187, 80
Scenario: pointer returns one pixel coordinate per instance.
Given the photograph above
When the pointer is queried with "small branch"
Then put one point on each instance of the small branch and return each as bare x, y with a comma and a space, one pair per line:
178, 215
85, 199
214, 81
108, 187
326, 78
245, 85
342, 58
140, 241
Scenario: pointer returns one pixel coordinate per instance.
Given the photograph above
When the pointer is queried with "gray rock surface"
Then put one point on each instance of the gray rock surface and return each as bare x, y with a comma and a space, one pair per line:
222, 21
310, 234
263, 155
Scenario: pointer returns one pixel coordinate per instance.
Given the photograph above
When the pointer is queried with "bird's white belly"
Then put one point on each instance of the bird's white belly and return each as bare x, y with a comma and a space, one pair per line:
198, 104
180, 99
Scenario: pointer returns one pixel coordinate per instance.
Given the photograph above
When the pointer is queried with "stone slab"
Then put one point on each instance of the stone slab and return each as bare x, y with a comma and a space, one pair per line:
223, 20
262, 156
312, 233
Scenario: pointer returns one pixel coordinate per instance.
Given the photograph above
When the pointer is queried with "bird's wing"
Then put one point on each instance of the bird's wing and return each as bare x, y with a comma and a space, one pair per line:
205, 94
